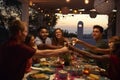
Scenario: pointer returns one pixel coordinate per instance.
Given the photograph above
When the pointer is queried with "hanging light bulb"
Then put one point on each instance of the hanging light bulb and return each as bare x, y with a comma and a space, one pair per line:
75, 11
67, 0
86, 1
30, 3
106, 1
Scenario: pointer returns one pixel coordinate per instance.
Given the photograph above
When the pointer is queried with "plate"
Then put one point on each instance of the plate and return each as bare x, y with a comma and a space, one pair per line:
44, 63
44, 70
38, 76
48, 70
36, 68
36, 65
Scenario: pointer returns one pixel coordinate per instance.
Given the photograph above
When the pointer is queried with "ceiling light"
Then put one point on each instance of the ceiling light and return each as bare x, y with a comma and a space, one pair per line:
58, 9
41, 11
106, 1
67, 0
75, 11
30, 3
114, 10
39, 8
92, 10
33, 4
81, 10
86, 1
70, 9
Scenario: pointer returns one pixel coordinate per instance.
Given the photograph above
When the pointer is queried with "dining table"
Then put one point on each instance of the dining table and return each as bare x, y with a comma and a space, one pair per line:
54, 69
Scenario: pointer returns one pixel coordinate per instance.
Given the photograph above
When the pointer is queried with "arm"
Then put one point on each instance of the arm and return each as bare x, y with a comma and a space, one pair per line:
48, 46
88, 54
92, 47
66, 39
97, 57
47, 53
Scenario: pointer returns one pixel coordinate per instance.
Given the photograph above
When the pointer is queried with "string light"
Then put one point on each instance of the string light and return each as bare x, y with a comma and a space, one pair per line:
30, 3
80, 12
33, 4
67, 0
106, 1
75, 11
86, 1
39, 8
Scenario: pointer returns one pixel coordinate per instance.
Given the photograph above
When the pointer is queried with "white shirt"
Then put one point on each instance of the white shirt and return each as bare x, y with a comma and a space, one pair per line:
38, 41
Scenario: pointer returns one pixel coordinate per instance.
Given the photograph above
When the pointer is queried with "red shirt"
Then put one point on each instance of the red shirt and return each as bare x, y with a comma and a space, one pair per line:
14, 57
28, 65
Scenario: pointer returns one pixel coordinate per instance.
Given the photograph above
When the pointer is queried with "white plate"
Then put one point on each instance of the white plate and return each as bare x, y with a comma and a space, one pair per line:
36, 68
41, 69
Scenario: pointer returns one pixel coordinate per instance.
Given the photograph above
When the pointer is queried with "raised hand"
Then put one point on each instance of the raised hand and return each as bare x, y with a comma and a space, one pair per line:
74, 40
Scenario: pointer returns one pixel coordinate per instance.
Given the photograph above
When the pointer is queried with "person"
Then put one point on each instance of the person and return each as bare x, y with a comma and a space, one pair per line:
14, 53
97, 49
43, 41
30, 41
4, 32
42, 36
97, 35
59, 40
113, 56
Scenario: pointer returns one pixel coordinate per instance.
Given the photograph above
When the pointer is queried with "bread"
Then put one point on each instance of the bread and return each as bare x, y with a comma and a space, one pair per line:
39, 76
94, 77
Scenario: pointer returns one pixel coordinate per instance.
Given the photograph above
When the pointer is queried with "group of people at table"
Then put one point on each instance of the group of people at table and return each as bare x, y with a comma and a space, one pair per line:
17, 54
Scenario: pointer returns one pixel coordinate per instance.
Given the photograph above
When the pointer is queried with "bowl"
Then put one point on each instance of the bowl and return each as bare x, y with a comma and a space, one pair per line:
62, 74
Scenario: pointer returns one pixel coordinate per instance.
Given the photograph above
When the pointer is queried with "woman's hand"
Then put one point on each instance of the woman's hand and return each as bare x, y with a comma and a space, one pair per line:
74, 40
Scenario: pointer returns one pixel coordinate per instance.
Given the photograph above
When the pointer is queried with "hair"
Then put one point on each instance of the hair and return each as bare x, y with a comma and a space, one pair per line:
58, 29
16, 26
114, 38
2, 23
55, 39
28, 38
116, 46
40, 28
98, 27
116, 50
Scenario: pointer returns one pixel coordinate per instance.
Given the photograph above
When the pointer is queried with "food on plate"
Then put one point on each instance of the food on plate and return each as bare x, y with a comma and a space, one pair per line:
86, 71
44, 63
62, 74
93, 76
39, 76
48, 69
63, 71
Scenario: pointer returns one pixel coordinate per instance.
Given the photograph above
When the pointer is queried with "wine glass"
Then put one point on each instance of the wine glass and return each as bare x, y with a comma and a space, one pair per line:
73, 43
